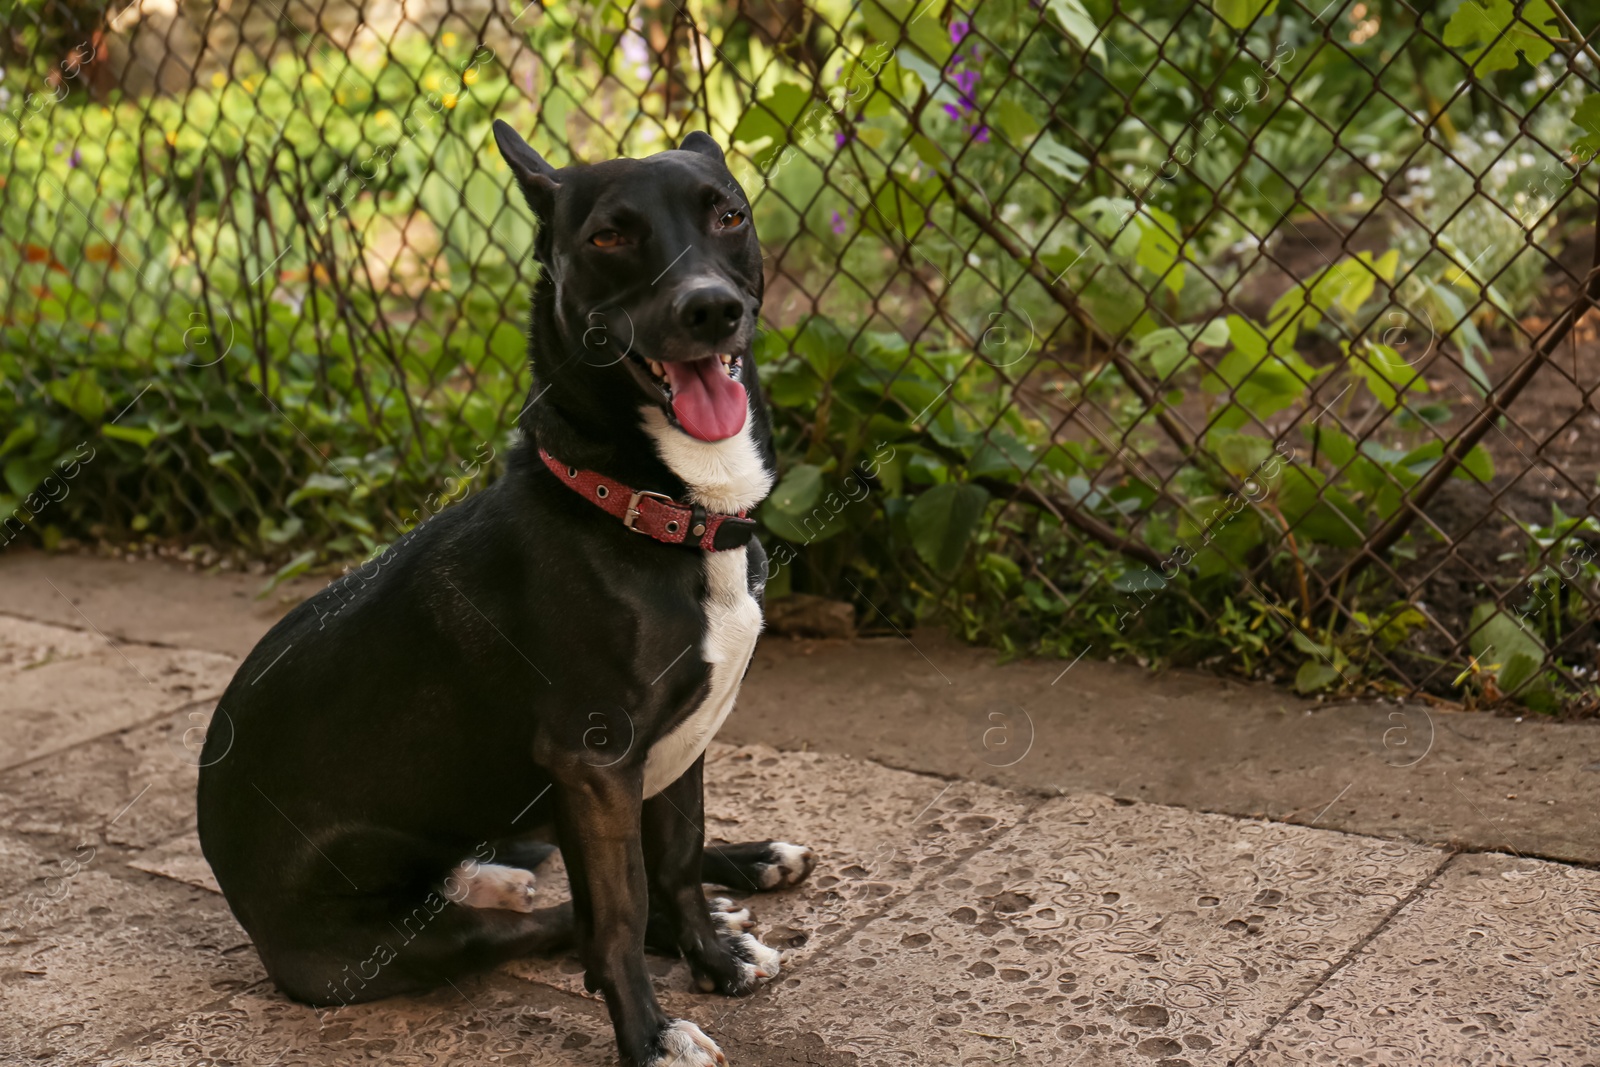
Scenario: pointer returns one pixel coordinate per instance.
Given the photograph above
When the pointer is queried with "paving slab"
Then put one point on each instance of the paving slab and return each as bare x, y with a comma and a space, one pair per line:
156, 602
180, 860
1496, 962
490, 1020
59, 688
132, 789
89, 959
1101, 933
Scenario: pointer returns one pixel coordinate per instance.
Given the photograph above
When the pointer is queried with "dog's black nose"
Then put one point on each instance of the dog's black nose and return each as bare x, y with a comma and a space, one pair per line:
710, 313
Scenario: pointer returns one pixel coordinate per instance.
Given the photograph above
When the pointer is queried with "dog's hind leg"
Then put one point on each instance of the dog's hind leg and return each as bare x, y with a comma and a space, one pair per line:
369, 913
367, 949
757, 866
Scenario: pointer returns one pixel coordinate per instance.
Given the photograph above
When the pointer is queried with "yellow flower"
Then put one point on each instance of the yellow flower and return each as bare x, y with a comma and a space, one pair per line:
338, 97
172, 137
218, 80
469, 75
384, 117
449, 99
431, 82
448, 40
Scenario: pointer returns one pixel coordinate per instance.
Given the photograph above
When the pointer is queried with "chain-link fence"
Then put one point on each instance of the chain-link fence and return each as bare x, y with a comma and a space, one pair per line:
1249, 334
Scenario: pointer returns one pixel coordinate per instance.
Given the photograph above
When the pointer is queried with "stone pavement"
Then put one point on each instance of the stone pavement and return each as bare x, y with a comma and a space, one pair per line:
1134, 870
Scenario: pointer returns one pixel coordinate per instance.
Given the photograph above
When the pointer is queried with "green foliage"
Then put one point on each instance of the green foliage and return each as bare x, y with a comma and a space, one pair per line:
292, 391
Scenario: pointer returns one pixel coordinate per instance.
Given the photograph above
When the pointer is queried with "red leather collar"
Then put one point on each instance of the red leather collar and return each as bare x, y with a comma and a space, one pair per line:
655, 514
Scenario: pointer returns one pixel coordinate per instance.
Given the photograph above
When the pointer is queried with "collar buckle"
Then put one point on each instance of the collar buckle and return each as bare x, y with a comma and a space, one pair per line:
632, 514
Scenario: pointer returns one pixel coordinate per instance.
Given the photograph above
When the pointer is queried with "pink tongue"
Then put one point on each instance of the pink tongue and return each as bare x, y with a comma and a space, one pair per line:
709, 404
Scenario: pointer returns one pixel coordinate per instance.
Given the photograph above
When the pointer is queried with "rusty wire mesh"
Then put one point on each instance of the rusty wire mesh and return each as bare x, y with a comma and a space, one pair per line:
1209, 335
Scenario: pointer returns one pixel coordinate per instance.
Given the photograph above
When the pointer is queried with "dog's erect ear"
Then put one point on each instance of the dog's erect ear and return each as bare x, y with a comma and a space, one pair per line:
537, 178
701, 142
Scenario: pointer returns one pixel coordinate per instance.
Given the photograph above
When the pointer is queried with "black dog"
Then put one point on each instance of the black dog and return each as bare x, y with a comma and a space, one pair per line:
533, 661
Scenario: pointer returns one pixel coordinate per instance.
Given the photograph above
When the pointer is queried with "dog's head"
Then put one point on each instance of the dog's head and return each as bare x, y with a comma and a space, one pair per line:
654, 277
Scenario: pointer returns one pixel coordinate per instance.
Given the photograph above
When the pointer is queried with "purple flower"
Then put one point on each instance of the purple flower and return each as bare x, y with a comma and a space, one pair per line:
953, 111
75, 160
840, 138
966, 81
959, 30
980, 134
60, 148
839, 222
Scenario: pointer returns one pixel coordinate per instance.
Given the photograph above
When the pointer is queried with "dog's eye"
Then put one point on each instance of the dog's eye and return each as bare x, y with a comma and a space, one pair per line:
733, 219
606, 239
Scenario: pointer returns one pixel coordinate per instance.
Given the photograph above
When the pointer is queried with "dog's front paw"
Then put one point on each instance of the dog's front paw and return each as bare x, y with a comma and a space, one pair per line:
745, 962
784, 865
682, 1044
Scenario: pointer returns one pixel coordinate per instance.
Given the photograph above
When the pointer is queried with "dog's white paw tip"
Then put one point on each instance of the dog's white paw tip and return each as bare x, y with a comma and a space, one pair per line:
491, 885
683, 1044
790, 865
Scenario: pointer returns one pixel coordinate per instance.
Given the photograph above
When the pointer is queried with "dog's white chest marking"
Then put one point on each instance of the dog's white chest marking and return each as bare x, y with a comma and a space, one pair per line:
723, 476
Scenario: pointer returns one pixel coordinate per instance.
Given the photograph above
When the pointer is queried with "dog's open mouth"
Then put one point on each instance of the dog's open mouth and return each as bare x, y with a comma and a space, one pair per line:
705, 397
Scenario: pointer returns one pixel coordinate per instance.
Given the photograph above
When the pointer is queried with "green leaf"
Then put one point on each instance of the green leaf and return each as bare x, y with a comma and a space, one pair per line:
896, 210
821, 345
1241, 13
772, 115
1078, 24
1241, 453
80, 394
917, 22
319, 485
23, 433
1018, 123
1318, 512
942, 521
1587, 116
1498, 638
1315, 675
1516, 670
1476, 464
1059, 158
1158, 246
1165, 350
293, 569
1386, 375
136, 434
799, 489
1490, 34
1331, 442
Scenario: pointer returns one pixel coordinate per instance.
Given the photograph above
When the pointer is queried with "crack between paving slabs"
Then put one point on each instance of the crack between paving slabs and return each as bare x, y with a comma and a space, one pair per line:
1322, 980
153, 719
124, 638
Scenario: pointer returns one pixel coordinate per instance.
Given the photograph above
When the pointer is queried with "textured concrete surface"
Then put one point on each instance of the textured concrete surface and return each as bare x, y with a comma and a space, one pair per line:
62, 687
1026, 902
1496, 962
